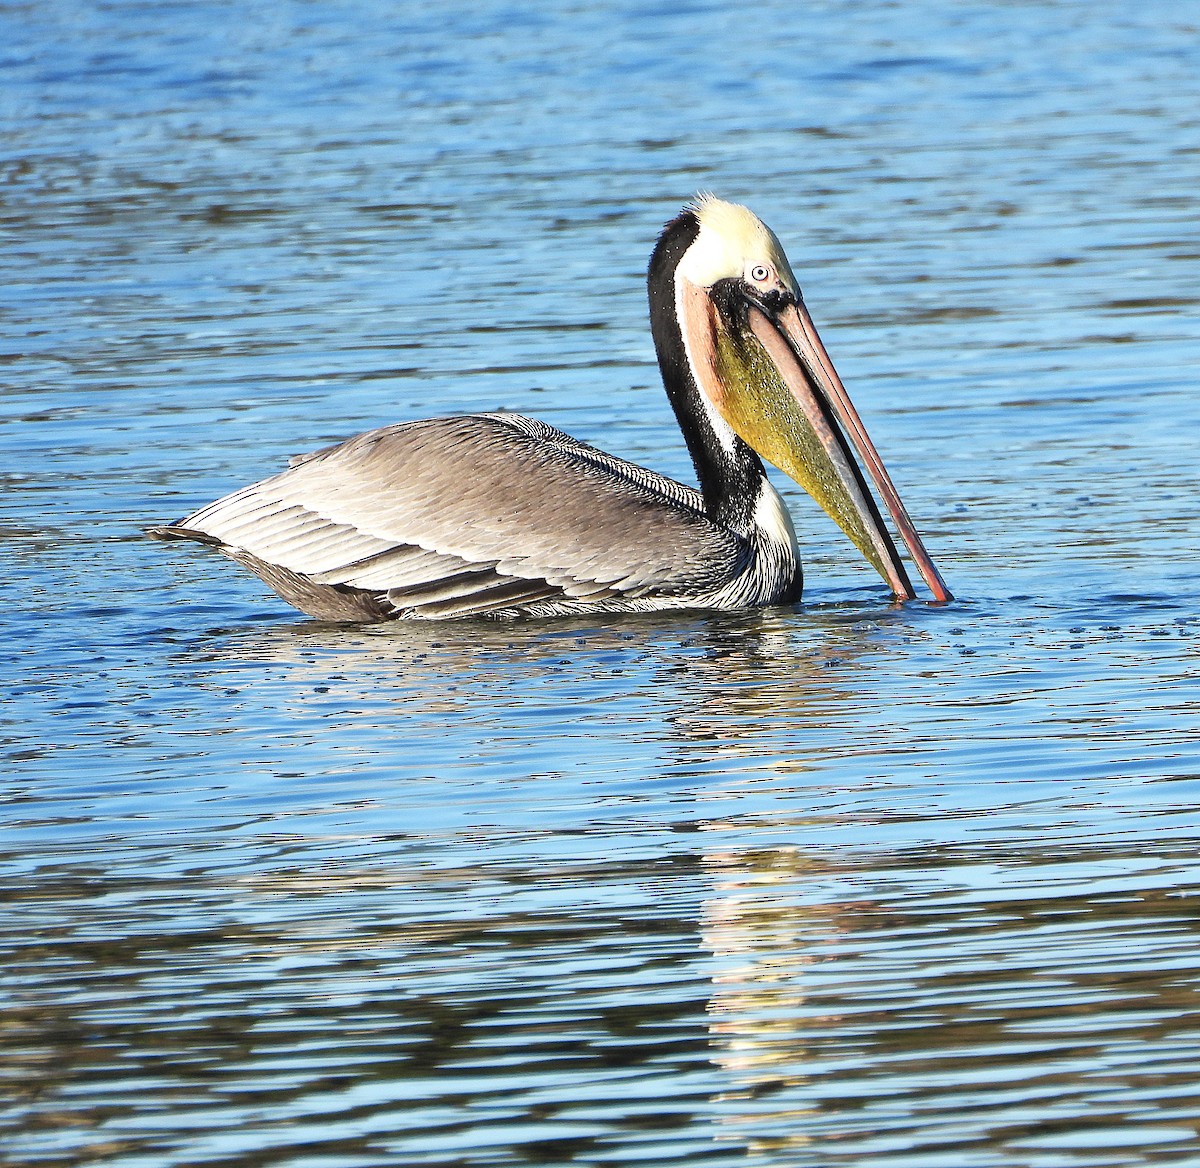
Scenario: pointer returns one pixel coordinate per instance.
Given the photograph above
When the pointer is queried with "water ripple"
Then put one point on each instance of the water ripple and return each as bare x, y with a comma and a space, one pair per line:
845, 885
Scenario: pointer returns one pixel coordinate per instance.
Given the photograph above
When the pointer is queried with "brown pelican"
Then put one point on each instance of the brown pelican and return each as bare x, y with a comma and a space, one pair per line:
501, 515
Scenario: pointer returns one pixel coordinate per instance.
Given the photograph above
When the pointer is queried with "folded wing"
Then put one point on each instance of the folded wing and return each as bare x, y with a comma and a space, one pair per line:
465, 515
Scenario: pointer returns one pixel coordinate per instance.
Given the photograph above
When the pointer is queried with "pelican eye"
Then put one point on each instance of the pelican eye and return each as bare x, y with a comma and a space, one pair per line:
760, 273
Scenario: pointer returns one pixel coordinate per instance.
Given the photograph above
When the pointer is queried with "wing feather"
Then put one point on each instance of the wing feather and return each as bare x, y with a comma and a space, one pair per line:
467, 514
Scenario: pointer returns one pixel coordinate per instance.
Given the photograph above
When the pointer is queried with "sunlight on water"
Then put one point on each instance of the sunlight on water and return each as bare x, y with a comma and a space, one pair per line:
853, 884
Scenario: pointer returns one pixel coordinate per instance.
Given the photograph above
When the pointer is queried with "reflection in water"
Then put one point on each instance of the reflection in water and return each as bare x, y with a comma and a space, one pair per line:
876, 1006
760, 1003
763, 936
712, 701
878, 722
711, 677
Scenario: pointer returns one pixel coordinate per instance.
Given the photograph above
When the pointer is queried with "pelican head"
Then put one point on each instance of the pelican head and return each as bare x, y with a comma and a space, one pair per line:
734, 338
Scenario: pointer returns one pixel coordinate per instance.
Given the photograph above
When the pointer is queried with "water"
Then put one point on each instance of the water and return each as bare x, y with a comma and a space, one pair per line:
846, 885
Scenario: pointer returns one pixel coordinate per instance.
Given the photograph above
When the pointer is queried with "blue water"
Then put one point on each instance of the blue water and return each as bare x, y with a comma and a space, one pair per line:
851, 884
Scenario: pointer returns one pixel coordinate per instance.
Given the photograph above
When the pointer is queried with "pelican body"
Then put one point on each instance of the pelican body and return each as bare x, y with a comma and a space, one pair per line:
500, 515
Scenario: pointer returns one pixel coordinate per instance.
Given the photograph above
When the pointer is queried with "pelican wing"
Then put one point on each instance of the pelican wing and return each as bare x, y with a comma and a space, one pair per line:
454, 516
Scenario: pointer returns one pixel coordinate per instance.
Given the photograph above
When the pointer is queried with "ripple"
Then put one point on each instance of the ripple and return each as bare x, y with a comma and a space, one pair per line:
849, 884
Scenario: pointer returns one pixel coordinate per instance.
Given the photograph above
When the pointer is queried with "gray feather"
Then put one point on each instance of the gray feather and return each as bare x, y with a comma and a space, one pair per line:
468, 515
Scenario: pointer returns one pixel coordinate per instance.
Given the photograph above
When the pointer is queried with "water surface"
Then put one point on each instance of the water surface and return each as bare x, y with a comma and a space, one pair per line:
851, 884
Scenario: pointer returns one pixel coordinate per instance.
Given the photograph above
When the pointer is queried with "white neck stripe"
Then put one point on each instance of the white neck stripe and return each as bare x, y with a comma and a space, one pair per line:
720, 427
